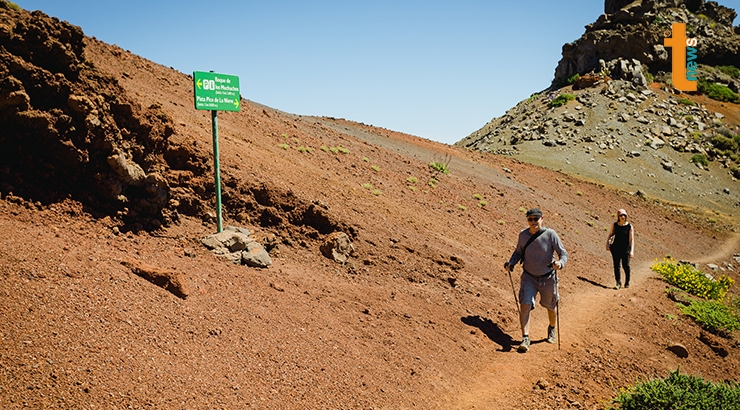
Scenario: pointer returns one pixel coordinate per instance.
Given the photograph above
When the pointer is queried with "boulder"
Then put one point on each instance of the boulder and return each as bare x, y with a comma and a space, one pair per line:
338, 247
256, 256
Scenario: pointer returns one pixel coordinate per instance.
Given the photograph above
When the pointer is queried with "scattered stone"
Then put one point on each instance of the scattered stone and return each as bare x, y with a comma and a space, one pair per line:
168, 279
338, 247
667, 165
679, 350
256, 256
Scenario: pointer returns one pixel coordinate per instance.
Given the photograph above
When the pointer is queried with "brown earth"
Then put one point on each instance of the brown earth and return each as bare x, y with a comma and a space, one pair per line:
422, 316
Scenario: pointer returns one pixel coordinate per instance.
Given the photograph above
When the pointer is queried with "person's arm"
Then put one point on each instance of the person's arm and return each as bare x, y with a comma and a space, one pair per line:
560, 250
632, 240
516, 255
611, 233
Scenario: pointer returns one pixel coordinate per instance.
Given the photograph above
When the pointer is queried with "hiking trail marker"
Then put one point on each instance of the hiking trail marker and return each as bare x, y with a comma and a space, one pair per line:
216, 92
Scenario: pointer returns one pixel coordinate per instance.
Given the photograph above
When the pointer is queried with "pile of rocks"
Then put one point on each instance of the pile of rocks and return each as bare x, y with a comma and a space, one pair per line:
603, 117
236, 245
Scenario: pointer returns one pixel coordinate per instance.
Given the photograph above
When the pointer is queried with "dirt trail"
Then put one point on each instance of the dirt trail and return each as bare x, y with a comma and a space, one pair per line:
501, 383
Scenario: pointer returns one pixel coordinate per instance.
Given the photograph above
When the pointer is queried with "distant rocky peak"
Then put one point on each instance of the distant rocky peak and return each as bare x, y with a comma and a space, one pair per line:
627, 41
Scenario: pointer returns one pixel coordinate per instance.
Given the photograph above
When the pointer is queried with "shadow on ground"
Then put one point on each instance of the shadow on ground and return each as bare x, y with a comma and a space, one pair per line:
597, 284
492, 330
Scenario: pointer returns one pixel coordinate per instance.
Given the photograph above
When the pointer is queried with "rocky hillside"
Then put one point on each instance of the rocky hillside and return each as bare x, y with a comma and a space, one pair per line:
604, 120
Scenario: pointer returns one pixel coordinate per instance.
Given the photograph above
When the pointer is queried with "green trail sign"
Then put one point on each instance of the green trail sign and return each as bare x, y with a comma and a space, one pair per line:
216, 92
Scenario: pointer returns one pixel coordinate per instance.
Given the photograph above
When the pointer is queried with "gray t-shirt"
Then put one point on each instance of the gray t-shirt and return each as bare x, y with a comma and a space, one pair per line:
540, 253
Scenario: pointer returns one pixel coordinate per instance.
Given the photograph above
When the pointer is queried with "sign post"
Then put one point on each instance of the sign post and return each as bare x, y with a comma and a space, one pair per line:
216, 92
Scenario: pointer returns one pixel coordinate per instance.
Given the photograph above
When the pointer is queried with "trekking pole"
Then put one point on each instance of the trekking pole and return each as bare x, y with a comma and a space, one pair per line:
516, 299
557, 306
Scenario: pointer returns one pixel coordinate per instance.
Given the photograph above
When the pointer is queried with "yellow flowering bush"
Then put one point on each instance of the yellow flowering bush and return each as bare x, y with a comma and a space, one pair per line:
692, 280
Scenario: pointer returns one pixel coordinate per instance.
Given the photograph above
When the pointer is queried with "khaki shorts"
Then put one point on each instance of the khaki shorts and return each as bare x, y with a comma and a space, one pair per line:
546, 287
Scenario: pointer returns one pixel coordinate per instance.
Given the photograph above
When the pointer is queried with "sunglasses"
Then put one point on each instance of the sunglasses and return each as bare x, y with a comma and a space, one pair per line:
533, 219
622, 215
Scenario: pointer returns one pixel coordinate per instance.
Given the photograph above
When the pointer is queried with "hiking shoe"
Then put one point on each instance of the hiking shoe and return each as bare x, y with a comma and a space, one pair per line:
551, 334
626, 285
619, 285
524, 346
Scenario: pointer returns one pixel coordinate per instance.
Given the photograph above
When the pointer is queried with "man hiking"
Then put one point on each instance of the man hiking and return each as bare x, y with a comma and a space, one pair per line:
536, 248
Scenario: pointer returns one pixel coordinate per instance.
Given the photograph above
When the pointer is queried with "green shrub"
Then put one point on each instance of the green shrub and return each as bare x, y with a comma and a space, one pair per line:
650, 78
284, 146
692, 280
561, 99
572, 79
700, 159
367, 186
730, 70
724, 143
718, 92
439, 167
412, 180
713, 316
477, 196
679, 392
304, 149
686, 101
375, 168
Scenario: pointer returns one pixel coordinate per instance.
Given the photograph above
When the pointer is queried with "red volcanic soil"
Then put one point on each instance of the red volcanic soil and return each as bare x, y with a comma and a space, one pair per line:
421, 316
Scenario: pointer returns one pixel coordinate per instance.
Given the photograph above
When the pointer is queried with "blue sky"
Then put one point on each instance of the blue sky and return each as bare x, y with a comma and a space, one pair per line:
436, 69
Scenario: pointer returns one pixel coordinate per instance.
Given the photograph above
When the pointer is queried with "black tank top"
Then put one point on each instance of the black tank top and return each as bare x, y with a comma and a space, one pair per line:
621, 237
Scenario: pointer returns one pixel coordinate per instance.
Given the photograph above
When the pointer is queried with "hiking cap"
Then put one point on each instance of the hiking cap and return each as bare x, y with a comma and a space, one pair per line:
534, 212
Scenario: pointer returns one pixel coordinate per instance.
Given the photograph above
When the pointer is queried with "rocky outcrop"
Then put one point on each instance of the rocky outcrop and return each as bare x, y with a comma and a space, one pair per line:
235, 245
634, 31
73, 130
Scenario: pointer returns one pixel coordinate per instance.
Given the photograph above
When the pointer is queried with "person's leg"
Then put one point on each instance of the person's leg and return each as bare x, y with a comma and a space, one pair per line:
626, 267
552, 315
524, 318
617, 278
524, 321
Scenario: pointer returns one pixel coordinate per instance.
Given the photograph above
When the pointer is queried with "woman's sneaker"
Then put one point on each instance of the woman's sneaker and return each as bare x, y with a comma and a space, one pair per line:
524, 346
551, 334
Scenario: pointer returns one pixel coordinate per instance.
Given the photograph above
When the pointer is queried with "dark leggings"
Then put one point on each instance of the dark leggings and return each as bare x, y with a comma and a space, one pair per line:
624, 257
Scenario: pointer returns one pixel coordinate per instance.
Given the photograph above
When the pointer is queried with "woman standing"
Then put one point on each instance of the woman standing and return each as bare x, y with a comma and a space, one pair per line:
621, 243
